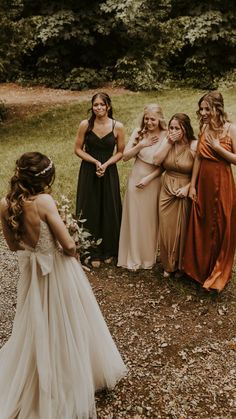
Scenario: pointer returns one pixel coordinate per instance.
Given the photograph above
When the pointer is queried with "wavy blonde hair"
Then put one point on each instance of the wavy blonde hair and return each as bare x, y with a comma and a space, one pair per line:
34, 174
151, 107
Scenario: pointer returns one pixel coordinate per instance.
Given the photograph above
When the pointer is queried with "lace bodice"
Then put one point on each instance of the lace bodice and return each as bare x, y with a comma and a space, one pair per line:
46, 242
42, 254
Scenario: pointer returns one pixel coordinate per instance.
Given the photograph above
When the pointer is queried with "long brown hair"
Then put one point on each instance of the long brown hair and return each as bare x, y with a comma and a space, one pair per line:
185, 123
215, 102
34, 174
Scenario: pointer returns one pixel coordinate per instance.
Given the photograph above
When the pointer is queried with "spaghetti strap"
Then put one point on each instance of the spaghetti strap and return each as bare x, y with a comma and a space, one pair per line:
228, 128
113, 124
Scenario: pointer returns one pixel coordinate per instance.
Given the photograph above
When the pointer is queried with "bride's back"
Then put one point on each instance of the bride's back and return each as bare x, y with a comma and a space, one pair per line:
31, 222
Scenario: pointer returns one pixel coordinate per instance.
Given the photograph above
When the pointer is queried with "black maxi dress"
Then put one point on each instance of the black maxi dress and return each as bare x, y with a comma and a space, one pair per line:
98, 199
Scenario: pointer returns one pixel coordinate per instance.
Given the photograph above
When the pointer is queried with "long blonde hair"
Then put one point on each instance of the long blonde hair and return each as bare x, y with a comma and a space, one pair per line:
34, 174
151, 107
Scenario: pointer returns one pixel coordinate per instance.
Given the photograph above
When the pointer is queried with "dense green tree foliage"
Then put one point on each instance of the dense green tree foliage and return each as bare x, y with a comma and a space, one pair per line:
140, 43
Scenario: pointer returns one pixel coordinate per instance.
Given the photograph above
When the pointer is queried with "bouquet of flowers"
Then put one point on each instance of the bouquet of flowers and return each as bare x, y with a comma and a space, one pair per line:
82, 237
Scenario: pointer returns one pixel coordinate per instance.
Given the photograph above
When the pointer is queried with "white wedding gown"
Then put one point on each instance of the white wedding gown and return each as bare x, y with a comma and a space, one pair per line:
60, 351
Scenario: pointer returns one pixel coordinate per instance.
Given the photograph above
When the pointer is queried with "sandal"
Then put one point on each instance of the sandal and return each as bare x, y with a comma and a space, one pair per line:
96, 263
179, 274
109, 260
166, 274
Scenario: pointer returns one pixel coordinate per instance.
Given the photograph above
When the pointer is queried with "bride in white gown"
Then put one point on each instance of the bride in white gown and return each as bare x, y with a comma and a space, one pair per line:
60, 351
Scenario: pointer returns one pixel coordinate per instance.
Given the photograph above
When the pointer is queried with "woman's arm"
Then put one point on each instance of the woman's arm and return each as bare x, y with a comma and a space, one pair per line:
226, 154
132, 150
147, 179
196, 167
120, 145
48, 211
165, 146
12, 243
193, 147
79, 145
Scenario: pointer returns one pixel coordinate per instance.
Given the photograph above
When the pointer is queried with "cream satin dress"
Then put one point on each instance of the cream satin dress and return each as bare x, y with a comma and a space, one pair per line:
138, 243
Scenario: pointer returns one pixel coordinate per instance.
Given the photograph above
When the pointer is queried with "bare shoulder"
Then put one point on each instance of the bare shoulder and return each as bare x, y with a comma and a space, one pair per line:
119, 125
193, 145
45, 201
135, 131
3, 207
232, 131
83, 125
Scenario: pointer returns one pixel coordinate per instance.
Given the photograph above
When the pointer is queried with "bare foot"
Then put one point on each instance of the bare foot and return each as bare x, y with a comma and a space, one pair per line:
96, 263
109, 260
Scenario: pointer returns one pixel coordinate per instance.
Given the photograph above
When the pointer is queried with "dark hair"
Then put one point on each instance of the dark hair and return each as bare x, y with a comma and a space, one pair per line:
107, 100
34, 173
185, 123
216, 104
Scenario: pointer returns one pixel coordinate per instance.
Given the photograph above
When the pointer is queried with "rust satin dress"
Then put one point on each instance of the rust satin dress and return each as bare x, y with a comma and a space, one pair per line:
211, 236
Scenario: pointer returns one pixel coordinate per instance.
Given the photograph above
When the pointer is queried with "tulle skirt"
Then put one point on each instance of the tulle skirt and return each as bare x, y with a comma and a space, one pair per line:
60, 351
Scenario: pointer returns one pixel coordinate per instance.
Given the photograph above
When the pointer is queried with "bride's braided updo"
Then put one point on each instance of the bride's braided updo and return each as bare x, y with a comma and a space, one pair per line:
34, 174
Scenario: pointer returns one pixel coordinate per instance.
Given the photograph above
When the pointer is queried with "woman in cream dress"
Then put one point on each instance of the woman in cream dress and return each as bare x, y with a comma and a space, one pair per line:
139, 226
176, 156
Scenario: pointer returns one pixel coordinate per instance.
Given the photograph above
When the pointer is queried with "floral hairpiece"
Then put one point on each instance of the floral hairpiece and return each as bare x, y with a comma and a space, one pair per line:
45, 170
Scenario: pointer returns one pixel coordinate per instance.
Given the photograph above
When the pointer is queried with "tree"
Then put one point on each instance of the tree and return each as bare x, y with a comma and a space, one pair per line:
14, 35
140, 43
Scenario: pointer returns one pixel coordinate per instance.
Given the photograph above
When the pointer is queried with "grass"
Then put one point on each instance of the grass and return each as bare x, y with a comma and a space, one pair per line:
54, 132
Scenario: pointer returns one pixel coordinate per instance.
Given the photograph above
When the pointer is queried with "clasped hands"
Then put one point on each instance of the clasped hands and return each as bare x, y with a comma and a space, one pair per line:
100, 168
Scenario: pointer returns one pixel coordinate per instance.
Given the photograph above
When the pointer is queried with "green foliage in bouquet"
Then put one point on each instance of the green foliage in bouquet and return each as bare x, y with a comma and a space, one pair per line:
82, 237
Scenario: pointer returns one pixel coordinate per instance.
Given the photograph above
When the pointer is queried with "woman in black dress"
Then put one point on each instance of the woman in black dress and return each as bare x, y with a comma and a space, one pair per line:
98, 193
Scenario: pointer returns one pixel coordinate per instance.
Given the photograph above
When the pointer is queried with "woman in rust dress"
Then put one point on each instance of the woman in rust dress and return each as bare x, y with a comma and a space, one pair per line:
211, 238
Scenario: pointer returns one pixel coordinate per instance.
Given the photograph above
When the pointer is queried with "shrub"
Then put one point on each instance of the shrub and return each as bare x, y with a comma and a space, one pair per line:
229, 79
137, 76
83, 78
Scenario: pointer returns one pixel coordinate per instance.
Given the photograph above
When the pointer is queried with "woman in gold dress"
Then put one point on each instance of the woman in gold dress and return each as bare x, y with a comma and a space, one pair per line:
177, 157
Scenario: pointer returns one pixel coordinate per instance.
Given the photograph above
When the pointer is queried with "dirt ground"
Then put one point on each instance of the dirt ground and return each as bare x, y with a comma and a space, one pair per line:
22, 101
177, 340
